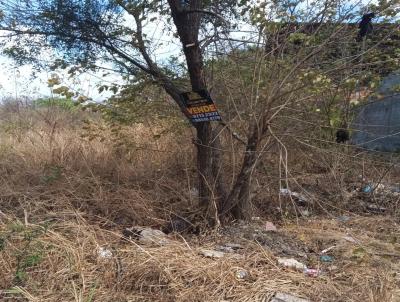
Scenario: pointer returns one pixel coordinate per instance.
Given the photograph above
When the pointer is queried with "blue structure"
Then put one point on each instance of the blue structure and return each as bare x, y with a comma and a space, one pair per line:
377, 123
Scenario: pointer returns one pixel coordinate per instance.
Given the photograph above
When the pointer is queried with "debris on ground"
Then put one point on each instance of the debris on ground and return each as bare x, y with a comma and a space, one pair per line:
312, 272
284, 297
180, 225
299, 198
350, 239
104, 253
367, 189
279, 243
292, 263
241, 274
326, 258
229, 247
373, 207
146, 235
343, 218
328, 249
270, 227
304, 212
211, 253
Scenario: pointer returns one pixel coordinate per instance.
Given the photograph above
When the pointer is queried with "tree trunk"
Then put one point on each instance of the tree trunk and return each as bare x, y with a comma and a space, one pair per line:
211, 188
238, 203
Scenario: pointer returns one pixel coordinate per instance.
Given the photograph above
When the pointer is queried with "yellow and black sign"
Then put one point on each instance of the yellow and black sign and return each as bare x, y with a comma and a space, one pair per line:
200, 107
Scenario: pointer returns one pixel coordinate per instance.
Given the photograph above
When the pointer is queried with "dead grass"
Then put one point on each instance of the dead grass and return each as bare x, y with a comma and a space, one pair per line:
70, 267
62, 198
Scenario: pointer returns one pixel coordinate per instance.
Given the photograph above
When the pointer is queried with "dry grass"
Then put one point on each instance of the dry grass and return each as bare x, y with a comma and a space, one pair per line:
62, 198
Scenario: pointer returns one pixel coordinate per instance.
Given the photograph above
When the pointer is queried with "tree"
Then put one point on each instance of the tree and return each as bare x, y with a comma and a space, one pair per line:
293, 47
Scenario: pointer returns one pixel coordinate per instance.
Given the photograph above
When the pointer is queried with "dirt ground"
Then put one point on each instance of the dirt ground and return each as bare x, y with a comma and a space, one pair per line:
68, 257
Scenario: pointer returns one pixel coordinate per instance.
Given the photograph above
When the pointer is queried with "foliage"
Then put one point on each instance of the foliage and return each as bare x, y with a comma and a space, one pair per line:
28, 252
296, 56
66, 104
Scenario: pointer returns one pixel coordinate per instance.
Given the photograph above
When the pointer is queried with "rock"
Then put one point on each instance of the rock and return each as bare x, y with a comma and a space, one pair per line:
211, 253
284, 297
229, 247
146, 235
292, 263
153, 236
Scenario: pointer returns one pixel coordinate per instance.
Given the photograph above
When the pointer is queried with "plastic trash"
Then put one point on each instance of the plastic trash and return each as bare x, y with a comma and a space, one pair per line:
374, 208
104, 253
304, 212
292, 263
241, 274
211, 253
270, 227
326, 258
299, 197
229, 247
284, 297
312, 272
367, 189
328, 249
146, 235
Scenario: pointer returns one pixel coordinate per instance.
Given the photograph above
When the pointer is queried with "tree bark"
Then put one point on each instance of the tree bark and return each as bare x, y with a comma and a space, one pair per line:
238, 203
211, 187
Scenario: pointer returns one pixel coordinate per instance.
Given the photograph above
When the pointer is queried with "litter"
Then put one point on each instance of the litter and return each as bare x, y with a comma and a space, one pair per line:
374, 208
104, 253
367, 189
211, 253
284, 297
328, 249
270, 227
326, 258
312, 272
229, 247
299, 197
241, 274
304, 213
292, 263
146, 235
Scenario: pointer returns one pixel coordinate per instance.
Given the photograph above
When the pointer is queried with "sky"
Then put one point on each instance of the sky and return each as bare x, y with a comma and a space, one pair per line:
16, 81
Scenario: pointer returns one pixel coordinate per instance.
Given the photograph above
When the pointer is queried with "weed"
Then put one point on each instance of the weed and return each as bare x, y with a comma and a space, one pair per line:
28, 251
54, 173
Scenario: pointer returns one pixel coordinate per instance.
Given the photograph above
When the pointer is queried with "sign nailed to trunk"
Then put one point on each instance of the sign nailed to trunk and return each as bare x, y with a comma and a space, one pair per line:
200, 107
